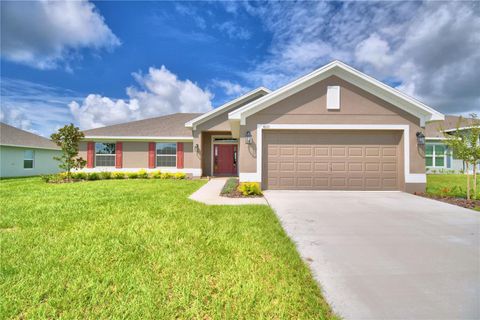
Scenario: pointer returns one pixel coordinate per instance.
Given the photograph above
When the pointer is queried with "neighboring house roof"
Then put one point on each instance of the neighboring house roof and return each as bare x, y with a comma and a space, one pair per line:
435, 129
347, 73
11, 136
170, 126
246, 98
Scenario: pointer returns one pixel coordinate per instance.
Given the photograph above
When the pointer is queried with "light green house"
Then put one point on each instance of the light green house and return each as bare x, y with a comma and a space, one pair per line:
25, 154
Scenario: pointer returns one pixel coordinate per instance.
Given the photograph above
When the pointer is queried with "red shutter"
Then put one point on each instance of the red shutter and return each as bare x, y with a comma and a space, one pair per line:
119, 155
151, 155
90, 153
180, 155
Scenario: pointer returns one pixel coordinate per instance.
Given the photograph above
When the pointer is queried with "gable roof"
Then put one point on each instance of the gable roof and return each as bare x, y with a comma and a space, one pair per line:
244, 99
347, 73
11, 136
170, 126
435, 129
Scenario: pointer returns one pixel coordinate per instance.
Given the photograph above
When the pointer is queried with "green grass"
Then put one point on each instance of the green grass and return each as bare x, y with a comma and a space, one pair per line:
454, 185
230, 186
139, 249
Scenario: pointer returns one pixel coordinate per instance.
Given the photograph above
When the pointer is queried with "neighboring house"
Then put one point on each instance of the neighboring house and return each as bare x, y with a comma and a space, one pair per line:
438, 157
25, 154
333, 129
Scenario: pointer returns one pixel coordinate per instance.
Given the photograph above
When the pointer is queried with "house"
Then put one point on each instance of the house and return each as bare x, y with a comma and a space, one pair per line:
333, 129
26, 154
438, 157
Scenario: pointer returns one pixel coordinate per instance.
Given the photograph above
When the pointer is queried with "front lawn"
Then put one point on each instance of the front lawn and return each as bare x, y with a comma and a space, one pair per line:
454, 185
139, 249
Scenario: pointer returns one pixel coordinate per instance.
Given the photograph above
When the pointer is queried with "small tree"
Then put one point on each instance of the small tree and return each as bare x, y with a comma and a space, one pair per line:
68, 138
465, 145
474, 145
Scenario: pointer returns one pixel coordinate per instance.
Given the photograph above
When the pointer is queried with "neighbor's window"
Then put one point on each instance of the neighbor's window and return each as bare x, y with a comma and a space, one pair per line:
166, 154
435, 155
28, 159
104, 154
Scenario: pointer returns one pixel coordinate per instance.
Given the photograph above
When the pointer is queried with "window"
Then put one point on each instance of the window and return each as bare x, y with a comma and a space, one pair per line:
166, 154
435, 155
104, 154
28, 159
333, 97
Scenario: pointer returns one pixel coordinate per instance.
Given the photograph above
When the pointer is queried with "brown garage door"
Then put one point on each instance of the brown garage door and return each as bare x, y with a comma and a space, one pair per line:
321, 160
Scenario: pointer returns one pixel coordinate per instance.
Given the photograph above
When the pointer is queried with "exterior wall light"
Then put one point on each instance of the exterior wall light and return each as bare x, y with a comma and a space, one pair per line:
420, 138
197, 148
248, 137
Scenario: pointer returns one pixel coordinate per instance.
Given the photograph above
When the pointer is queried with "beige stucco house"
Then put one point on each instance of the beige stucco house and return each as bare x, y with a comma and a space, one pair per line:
333, 129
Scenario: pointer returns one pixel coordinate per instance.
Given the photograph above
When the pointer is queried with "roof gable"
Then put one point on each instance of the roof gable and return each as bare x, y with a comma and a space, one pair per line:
168, 126
11, 136
347, 73
247, 97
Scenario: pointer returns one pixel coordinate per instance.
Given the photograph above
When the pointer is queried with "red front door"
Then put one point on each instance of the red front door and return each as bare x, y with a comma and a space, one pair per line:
225, 159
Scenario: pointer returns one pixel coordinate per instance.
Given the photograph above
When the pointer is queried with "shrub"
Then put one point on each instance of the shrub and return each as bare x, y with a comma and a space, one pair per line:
229, 186
79, 175
93, 176
166, 175
105, 175
132, 175
250, 189
118, 175
180, 175
142, 174
156, 174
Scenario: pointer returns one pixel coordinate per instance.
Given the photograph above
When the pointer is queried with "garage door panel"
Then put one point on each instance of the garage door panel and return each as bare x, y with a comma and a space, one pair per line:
332, 160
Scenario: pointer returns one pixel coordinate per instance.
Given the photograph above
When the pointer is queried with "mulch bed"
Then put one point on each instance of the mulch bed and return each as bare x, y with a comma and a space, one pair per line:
461, 202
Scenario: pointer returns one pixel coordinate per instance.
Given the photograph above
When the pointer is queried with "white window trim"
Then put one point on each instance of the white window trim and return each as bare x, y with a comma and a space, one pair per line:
33, 160
333, 98
445, 155
409, 177
107, 155
165, 155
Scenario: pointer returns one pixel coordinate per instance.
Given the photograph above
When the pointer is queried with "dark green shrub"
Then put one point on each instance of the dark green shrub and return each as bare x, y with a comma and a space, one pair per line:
156, 174
93, 176
132, 175
142, 174
79, 175
105, 175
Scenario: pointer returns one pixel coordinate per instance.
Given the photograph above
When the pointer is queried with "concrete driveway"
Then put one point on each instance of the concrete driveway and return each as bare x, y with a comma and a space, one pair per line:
386, 255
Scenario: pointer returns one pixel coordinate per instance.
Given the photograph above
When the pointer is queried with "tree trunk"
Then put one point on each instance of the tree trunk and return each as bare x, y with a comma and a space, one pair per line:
468, 180
475, 180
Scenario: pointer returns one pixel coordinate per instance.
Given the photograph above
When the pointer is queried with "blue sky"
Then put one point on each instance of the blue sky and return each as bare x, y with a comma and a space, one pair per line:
100, 63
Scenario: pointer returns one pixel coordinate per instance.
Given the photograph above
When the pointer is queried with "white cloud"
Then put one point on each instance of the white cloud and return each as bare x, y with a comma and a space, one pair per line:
45, 34
160, 92
230, 88
430, 48
233, 30
34, 107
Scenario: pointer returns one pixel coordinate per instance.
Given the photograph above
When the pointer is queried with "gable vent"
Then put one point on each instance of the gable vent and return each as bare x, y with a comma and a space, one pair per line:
333, 97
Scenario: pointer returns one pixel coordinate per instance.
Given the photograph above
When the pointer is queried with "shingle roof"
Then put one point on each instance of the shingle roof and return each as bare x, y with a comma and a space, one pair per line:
12, 136
172, 125
434, 129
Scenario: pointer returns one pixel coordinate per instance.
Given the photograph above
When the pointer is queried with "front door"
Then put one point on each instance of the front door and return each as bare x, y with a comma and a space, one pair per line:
225, 159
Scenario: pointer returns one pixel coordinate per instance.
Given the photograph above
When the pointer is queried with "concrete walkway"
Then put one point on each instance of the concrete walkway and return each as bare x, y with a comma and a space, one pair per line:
210, 194
386, 255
